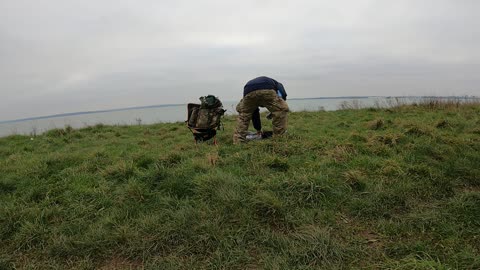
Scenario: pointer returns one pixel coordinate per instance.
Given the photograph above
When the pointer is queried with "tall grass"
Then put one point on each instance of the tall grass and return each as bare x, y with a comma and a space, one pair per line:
377, 188
432, 103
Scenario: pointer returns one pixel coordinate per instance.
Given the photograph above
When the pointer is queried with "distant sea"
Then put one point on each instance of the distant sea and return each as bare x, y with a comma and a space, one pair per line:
170, 113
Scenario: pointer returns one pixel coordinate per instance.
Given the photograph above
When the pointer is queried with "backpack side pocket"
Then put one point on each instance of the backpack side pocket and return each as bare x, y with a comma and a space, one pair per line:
192, 119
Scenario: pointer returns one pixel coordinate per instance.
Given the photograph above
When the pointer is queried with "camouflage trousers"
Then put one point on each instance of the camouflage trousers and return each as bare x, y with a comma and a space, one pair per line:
260, 98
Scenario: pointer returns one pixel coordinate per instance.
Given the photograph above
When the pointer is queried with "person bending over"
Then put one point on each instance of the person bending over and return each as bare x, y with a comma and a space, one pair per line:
261, 92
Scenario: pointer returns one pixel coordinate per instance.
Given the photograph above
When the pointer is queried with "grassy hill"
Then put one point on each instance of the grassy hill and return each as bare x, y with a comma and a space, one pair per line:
394, 188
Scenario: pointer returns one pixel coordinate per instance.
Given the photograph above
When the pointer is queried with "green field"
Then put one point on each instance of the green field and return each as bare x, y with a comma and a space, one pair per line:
395, 188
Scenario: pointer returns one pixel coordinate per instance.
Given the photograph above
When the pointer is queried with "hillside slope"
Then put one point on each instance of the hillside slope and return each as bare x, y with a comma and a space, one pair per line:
374, 188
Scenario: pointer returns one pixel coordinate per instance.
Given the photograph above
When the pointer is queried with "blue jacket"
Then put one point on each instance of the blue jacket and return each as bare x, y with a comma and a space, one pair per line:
264, 82
259, 84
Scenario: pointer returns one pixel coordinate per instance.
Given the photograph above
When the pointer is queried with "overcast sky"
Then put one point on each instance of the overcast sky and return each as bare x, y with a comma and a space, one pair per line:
60, 56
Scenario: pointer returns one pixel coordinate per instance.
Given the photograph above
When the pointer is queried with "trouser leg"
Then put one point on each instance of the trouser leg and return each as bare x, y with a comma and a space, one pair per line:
243, 120
279, 109
279, 122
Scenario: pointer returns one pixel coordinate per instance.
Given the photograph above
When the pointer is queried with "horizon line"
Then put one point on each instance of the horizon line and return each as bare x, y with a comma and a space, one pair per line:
181, 104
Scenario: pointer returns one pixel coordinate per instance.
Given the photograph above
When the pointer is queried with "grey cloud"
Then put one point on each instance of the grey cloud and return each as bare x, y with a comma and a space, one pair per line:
62, 56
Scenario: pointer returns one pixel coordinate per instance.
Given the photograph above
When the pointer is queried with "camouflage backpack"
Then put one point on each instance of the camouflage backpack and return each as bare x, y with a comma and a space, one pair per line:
204, 119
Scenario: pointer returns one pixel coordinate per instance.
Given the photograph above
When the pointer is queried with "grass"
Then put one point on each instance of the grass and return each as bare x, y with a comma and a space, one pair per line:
378, 188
